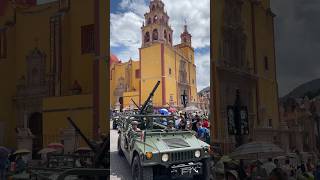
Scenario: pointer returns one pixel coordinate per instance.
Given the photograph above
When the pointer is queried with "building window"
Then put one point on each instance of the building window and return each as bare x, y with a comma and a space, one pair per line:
3, 44
87, 39
155, 19
192, 81
147, 37
138, 73
165, 34
170, 71
266, 63
155, 34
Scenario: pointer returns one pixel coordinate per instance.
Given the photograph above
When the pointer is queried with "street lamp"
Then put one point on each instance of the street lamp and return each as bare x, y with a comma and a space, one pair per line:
184, 97
238, 120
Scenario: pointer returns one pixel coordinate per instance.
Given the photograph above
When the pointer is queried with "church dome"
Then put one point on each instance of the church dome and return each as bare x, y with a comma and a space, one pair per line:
114, 59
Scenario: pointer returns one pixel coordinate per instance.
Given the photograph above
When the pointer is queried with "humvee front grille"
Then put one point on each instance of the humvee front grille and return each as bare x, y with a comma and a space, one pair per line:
181, 156
176, 143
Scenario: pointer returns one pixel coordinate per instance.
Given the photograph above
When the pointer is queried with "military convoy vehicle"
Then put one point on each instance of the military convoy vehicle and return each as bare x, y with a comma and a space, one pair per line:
153, 149
62, 167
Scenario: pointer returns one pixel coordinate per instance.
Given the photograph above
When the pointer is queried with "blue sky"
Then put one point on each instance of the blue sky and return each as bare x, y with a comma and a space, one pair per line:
126, 20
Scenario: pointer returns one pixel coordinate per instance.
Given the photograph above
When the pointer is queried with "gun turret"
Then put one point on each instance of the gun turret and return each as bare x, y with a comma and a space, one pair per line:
82, 135
100, 150
143, 108
135, 104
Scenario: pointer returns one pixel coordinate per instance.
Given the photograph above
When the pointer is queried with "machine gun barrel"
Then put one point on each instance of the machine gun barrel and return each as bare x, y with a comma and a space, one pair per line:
135, 103
148, 99
82, 135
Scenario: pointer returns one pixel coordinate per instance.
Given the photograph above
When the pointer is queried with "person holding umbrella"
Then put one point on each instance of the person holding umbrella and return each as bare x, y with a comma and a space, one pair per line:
3, 167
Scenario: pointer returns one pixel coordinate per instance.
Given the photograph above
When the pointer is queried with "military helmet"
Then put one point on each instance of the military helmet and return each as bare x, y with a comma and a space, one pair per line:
134, 123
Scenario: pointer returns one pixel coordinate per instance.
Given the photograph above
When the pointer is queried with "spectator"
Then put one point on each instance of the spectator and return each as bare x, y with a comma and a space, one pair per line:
278, 174
241, 171
21, 165
269, 166
310, 166
317, 172
276, 162
287, 169
259, 172
3, 167
182, 123
206, 123
200, 132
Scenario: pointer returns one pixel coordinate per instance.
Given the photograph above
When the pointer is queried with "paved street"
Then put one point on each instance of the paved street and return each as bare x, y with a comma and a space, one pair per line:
120, 169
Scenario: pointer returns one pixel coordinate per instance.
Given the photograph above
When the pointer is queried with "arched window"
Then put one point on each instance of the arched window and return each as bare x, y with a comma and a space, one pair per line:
170, 38
147, 37
155, 19
153, 8
165, 34
149, 20
155, 34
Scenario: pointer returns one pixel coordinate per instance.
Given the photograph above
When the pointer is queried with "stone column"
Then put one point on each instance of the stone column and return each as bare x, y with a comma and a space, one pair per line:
25, 140
68, 136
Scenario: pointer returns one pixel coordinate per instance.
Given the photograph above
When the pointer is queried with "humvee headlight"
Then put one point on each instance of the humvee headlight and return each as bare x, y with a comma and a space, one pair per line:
149, 155
165, 157
197, 153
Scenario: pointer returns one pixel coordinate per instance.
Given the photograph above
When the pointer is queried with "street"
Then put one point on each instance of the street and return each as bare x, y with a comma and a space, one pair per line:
119, 167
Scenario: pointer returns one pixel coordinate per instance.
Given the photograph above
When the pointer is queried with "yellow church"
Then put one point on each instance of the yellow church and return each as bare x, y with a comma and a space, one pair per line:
159, 60
52, 66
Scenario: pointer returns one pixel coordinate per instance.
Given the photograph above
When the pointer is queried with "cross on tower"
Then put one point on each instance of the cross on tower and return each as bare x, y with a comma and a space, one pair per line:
184, 98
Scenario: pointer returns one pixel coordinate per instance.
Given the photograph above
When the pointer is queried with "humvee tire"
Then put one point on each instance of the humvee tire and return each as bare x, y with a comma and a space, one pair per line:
206, 171
139, 172
120, 152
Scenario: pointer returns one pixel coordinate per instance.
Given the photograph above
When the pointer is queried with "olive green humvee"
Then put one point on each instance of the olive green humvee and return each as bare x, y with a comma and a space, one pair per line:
154, 150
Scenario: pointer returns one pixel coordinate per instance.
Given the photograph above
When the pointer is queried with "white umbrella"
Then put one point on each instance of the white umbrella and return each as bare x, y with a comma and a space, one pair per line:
22, 152
55, 145
191, 109
47, 150
83, 149
256, 150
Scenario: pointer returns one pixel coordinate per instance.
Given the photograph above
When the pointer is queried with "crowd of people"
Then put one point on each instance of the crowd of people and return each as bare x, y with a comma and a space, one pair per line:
197, 123
271, 170
12, 164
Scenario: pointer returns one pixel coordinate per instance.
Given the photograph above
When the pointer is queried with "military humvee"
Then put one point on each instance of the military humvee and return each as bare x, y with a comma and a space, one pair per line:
155, 150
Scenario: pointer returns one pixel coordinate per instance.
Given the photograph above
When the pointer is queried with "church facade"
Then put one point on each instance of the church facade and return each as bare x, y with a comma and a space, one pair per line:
53, 66
244, 61
159, 60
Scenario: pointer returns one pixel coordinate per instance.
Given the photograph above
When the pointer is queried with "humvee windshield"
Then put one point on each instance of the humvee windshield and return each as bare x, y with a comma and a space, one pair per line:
152, 122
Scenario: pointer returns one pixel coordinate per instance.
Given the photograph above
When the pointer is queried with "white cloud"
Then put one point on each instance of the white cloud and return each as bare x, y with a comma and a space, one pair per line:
202, 62
124, 28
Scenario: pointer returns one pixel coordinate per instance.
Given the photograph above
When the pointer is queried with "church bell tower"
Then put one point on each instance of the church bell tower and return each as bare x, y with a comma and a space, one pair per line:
186, 37
156, 29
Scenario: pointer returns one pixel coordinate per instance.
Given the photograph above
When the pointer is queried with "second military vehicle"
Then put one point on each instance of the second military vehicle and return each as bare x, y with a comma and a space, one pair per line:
154, 149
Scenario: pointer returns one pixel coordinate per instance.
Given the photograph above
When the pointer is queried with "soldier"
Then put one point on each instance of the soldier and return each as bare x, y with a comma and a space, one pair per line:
135, 126
170, 125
